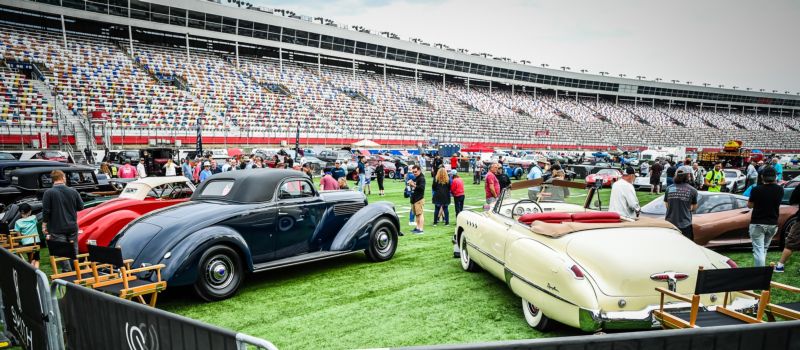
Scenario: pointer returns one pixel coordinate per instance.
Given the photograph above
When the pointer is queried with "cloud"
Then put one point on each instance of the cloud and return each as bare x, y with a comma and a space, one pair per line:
730, 42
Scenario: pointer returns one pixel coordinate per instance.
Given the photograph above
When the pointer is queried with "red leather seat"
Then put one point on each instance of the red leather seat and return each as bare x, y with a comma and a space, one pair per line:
601, 217
550, 218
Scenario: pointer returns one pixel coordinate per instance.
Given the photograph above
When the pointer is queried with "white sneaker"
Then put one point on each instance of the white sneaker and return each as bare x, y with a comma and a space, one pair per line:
412, 224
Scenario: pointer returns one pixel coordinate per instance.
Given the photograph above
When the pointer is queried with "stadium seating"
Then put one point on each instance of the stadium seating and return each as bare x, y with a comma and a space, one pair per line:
157, 87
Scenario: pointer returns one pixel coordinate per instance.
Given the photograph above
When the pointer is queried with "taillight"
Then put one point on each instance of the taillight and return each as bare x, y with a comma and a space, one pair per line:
681, 276
731, 263
576, 272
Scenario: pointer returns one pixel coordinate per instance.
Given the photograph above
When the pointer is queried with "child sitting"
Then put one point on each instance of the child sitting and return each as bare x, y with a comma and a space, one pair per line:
26, 225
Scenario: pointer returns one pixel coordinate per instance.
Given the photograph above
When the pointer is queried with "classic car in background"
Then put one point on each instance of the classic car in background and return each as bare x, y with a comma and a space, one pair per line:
29, 184
253, 221
99, 225
608, 176
735, 180
56, 156
588, 270
788, 189
7, 166
643, 182
723, 219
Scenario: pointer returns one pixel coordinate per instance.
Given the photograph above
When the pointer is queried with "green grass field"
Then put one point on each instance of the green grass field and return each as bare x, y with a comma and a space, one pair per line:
419, 297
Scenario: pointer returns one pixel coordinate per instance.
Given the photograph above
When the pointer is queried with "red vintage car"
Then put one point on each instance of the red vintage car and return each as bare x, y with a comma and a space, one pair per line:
607, 176
98, 225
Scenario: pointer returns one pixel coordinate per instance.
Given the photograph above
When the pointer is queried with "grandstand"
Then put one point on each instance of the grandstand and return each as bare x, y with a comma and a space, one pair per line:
261, 85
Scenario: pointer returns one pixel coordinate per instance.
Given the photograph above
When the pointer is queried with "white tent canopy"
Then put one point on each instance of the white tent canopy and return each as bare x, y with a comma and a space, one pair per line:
366, 143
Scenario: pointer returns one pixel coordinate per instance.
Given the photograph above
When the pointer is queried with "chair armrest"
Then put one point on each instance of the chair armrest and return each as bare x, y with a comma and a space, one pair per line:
19, 238
674, 295
785, 287
750, 294
147, 268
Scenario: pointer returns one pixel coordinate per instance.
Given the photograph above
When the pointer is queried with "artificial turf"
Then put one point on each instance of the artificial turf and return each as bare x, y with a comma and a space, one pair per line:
421, 296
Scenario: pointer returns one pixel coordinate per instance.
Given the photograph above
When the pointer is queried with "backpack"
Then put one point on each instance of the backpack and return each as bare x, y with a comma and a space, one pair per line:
503, 180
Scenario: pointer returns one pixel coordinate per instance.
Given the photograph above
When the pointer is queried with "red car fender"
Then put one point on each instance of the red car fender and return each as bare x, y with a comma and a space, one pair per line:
104, 230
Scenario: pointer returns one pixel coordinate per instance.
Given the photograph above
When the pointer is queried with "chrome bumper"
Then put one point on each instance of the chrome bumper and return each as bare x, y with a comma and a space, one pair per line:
594, 320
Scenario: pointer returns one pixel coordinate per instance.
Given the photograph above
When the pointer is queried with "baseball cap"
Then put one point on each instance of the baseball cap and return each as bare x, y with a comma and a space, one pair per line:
769, 174
453, 172
630, 171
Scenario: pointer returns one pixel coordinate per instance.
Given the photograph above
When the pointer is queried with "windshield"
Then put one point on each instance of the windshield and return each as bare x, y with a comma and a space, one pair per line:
656, 207
53, 154
6, 156
608, 172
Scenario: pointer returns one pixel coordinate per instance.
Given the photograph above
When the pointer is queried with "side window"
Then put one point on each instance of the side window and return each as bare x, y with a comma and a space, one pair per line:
46, 181
740, 203
295, 189
715, 204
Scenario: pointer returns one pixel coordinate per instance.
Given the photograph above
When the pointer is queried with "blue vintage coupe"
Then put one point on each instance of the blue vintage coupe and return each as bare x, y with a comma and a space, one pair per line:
256, 220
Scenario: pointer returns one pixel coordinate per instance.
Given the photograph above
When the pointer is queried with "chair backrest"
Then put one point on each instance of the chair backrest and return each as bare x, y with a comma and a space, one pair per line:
729, 280
106, 255
61, 249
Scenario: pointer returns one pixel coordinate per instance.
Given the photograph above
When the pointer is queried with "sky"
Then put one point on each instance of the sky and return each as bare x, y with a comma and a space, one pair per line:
749, 44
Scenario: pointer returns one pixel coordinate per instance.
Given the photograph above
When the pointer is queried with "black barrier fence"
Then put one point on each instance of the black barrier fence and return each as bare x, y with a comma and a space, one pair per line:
27, 310
67, 316
762, 336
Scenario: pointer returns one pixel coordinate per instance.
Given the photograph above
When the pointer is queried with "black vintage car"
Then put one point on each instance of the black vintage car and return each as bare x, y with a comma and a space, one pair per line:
155, 158
29, 184
252, 221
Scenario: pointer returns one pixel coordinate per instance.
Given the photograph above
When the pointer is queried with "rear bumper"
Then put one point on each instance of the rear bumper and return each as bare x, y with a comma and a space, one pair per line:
594, 320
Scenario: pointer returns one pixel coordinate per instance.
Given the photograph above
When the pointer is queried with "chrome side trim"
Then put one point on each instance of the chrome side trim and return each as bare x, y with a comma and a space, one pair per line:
490, 256
524, 280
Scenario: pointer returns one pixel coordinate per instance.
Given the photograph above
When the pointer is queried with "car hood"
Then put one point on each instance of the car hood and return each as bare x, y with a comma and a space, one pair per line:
148, 238
621, 261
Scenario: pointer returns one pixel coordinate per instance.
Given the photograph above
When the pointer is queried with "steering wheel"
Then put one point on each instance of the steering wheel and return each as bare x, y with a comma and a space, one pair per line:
538, 208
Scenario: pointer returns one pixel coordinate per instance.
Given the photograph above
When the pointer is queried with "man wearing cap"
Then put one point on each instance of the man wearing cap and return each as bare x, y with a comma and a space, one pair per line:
337, 171
537, 170
328, 183
206, 173
681, 200
623, 196
766, 201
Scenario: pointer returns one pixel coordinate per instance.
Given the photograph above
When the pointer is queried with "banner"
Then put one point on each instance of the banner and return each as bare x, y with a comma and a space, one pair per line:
94, 320
43, 140
199, 141
21, 298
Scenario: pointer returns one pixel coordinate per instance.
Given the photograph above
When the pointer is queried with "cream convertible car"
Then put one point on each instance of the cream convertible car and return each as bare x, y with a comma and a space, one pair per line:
586, 269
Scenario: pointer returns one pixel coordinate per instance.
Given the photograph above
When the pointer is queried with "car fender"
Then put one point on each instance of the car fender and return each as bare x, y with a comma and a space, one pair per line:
181, 266
542, 276
104, 229
354, 234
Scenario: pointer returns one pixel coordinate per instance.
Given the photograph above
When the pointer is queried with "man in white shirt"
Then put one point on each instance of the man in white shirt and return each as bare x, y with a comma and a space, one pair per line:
623, 196
140, 169
752, 174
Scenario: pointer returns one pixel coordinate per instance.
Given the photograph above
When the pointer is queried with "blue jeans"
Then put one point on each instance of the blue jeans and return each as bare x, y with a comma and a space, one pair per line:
361, 179
411, 215
439, 208
761, 236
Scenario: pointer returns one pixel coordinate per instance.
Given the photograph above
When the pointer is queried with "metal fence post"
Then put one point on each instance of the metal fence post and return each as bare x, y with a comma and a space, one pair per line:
4, 340
242, 340
55, 339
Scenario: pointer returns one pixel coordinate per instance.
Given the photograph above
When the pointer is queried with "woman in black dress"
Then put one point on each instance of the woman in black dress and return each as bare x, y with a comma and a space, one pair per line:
379, 176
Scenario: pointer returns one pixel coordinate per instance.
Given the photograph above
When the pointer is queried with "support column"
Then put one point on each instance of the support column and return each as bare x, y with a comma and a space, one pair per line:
188, 59
443, 81
64, 31
512, 89
280, 61
354, 71
556, 94
237, 53
384, 73
490, 87
576, 97
467, 84
416, 78
597, 103
130, 38
534, 92
319, 64
685, 105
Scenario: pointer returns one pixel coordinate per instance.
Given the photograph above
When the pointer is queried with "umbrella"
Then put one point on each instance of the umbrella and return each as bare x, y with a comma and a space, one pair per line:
366, 143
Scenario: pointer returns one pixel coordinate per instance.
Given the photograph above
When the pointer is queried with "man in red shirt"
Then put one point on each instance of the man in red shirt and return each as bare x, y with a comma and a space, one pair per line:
492, 185
454, 163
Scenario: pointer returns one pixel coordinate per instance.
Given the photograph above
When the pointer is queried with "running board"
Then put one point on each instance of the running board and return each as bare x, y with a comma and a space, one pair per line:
299, 259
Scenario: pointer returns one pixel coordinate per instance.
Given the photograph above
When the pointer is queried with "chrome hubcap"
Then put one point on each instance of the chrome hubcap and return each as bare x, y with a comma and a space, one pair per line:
464, 253
219, 271
383, 241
